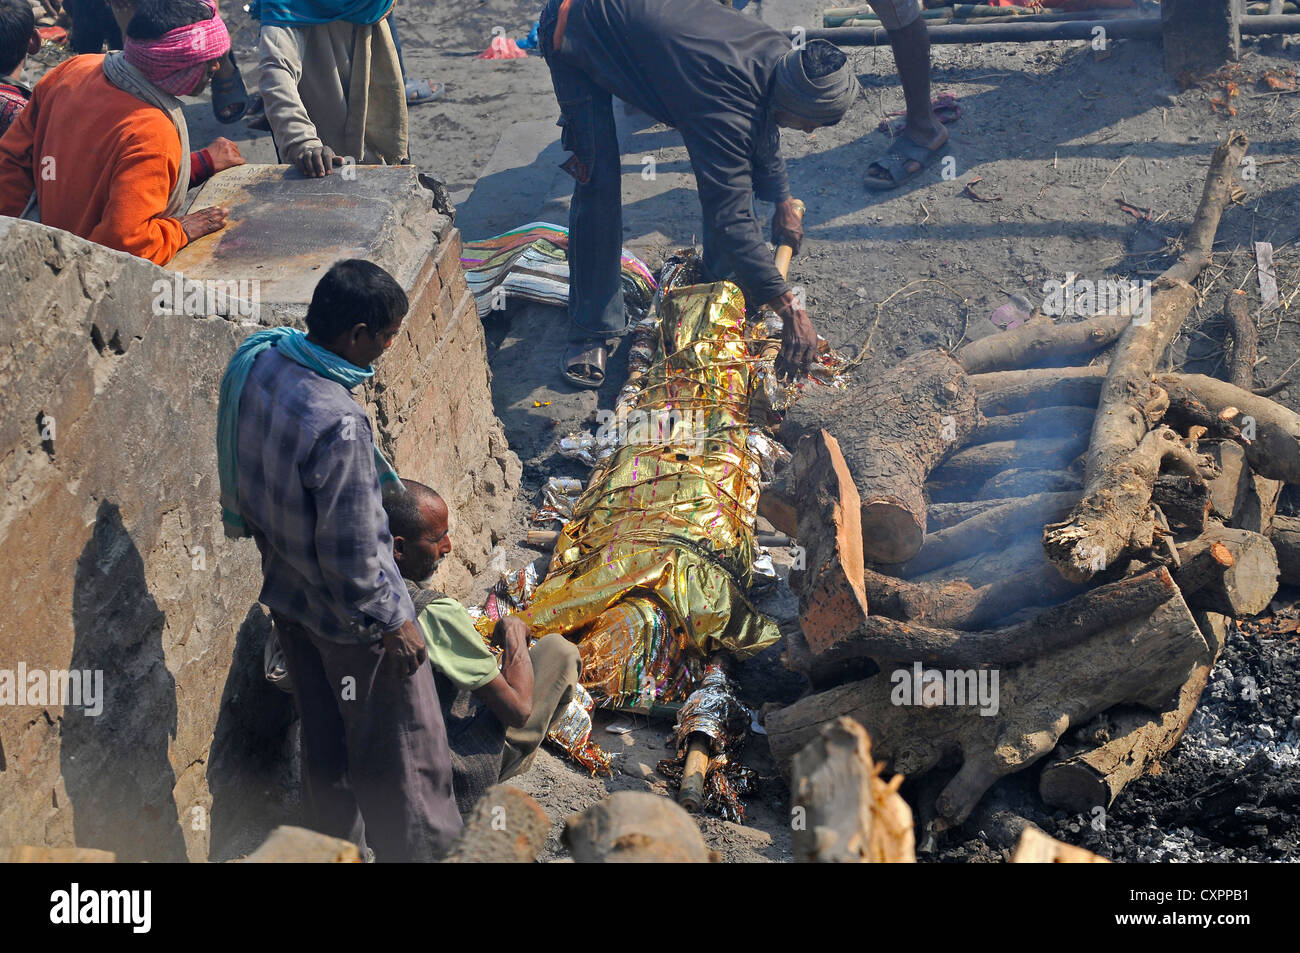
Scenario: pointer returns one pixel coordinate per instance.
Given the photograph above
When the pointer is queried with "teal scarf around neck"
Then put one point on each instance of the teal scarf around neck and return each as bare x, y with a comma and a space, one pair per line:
294, 345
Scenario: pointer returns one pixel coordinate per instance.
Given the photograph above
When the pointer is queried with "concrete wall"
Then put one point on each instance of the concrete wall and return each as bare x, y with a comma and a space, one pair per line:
112, 556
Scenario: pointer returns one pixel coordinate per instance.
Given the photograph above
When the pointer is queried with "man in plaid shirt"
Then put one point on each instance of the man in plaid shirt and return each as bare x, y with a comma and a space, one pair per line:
376, 765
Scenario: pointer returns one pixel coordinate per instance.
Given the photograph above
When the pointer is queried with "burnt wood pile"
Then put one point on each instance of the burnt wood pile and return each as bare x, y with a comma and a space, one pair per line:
1075, 539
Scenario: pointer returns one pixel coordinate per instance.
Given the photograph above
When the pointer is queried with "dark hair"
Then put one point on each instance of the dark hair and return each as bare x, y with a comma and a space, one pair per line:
403, 507
153, 18
354, 292
821, 58
16, 26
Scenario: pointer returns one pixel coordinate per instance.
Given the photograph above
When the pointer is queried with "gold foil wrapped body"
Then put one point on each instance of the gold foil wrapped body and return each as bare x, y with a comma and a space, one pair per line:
670, 513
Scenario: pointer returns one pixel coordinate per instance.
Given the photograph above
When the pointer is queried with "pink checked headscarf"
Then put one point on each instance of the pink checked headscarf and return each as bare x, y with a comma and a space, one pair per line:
175, 61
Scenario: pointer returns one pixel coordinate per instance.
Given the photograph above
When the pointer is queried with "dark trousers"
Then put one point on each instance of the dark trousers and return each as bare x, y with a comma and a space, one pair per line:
375, 765
596, 212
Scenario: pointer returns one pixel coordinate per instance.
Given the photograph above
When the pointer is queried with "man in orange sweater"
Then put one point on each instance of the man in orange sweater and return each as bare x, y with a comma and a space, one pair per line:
102, 150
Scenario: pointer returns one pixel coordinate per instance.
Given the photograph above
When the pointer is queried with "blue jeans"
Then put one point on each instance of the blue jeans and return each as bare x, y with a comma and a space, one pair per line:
596, 212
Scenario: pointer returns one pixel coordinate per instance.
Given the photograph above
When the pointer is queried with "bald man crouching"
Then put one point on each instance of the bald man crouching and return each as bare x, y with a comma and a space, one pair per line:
496, 717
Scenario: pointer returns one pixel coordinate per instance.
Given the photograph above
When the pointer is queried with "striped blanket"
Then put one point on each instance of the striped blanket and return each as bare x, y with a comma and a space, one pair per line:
531, 263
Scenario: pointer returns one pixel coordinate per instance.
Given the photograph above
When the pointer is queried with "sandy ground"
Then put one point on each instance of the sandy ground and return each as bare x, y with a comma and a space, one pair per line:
1057, 137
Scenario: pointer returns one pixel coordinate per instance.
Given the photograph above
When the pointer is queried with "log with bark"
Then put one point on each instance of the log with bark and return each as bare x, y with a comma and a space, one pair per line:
636, 827
1023, 482
1244, 585
1132, 739
973, 466
1272, 430
878, 637
1040, 343
1285, 537
843, 811
1013, 392
1035, 424
893, 430
1245, 340
1115, 515
1137, 662
505, 826
988, 531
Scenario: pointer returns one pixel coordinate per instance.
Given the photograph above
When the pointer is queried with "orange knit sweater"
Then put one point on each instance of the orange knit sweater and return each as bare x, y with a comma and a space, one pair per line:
102, 162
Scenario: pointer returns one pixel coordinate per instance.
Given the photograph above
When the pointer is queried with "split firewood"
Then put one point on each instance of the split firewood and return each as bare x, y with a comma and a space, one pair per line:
1011, 392
776, 504
1088, 613
1035, 424
1020, 482
505, 826
1244, 585
1134, 740
832, 597
1186, 412
1036, 847
298, 845
974, 465
989, 531
1259, 504
844, 811
1229, 487
1245, 340
1036, 343
1137, 662
636, 827
1116, 516
1285, 537
904, 422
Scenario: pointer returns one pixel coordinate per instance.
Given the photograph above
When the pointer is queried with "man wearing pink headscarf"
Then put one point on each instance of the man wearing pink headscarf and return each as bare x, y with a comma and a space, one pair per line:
102, 150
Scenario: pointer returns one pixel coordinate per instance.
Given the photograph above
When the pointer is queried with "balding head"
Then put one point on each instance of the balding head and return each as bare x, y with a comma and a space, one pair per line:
417, 520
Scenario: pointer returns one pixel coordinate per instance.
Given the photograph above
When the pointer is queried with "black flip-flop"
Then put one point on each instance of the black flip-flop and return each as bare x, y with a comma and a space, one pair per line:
584, 354
229, 92
894, 163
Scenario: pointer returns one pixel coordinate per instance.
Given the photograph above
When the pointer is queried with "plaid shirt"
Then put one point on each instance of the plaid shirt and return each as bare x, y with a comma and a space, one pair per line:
309, 493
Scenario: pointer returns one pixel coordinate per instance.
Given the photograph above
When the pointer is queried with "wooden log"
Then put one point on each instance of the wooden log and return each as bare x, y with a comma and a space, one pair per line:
831, 586
1184, 500
1137, 662
1272, 430
1246, 585
1135, 740
849, 813
1285, 537
893, 431
1011, 392
989, 531
1245, 339
976, 464
1114, 515
1040, 343
878, 637
1228, 487
1034, 424
635, 827
1036, 847
505, 826
1259, 504
1186, 411
1023, 482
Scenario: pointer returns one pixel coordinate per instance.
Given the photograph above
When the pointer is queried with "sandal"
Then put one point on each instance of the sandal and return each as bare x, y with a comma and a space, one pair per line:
583, 364
894, 164
422, 91
946, 109
227, 93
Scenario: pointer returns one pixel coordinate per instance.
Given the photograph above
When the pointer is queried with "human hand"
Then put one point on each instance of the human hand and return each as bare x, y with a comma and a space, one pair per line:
225, 155
205, 221
406, 646
317, 162
787, 225
511, 634
798, 338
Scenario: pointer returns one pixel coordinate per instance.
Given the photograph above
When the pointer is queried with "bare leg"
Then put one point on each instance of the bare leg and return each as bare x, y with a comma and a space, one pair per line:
911, 46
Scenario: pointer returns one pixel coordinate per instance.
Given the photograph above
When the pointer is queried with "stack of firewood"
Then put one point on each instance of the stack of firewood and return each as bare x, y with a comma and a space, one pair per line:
1085, 532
